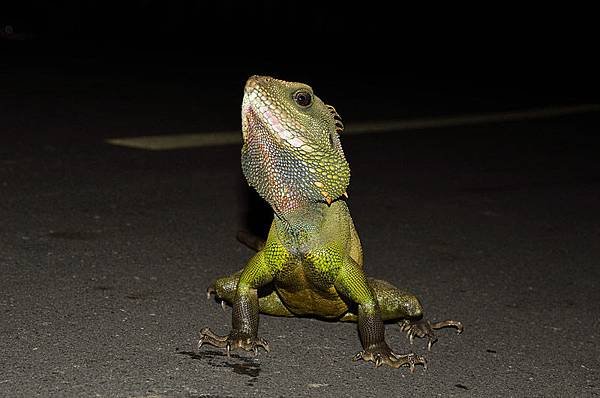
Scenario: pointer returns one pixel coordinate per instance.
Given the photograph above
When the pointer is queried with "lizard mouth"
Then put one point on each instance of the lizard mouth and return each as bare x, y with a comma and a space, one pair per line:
249, 117
251, 122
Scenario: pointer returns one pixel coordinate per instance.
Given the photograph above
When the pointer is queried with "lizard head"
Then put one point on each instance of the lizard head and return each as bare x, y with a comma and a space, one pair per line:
292, 152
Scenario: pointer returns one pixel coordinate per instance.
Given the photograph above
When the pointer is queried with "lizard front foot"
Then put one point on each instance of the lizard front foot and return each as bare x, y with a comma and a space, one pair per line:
382, 354
424, 328
235, 340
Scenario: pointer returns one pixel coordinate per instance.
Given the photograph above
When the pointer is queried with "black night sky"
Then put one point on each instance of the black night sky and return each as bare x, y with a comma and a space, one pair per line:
548, 51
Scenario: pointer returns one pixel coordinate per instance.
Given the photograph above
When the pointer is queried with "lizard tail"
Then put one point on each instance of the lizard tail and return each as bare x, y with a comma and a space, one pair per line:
252, 241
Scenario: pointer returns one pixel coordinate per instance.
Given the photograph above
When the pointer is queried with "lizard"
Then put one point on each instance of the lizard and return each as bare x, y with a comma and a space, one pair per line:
311, 263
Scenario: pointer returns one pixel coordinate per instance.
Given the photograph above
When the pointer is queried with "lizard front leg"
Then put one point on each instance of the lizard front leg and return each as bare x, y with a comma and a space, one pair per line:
351, 283
244, 332
269, 302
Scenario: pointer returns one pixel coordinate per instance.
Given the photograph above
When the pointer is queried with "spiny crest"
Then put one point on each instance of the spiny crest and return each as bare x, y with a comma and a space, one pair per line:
339, 125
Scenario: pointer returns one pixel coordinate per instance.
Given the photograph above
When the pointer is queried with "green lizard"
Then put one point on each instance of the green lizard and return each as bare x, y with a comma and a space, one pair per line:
311, 263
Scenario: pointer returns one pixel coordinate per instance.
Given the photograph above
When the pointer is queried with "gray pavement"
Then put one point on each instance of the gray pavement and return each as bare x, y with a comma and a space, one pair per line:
106, 252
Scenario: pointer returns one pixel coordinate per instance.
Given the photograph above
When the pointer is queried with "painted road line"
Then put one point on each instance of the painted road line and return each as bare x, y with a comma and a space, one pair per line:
221, 138
463, 120
178, 141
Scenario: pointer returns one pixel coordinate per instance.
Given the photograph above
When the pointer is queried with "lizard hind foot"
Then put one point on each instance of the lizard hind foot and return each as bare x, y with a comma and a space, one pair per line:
424, 328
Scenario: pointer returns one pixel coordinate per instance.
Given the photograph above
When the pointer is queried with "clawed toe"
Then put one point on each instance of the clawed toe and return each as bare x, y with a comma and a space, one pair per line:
424, 328
421, 328
207, 336
449, 323
209, 293
260, 342
411, 360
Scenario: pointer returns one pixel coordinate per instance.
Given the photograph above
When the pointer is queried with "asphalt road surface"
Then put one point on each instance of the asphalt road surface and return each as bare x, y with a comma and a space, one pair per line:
106, 251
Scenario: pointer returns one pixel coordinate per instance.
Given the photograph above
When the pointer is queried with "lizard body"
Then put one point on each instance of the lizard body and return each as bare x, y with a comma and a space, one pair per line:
311, 263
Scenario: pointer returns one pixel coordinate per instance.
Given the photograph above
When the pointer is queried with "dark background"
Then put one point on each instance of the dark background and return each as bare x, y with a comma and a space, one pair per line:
538, 50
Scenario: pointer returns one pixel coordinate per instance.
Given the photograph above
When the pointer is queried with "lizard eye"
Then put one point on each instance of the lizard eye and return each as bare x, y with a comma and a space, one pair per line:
303, 98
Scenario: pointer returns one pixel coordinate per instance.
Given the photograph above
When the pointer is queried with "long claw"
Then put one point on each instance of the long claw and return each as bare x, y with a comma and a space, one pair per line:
456, 324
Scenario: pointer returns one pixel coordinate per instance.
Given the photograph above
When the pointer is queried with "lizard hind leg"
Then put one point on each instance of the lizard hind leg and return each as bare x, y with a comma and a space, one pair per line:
268, 300
405, 308
395, 304
224, 288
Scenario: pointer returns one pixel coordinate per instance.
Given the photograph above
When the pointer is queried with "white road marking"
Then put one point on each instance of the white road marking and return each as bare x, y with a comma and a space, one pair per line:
220, 138
177, 141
